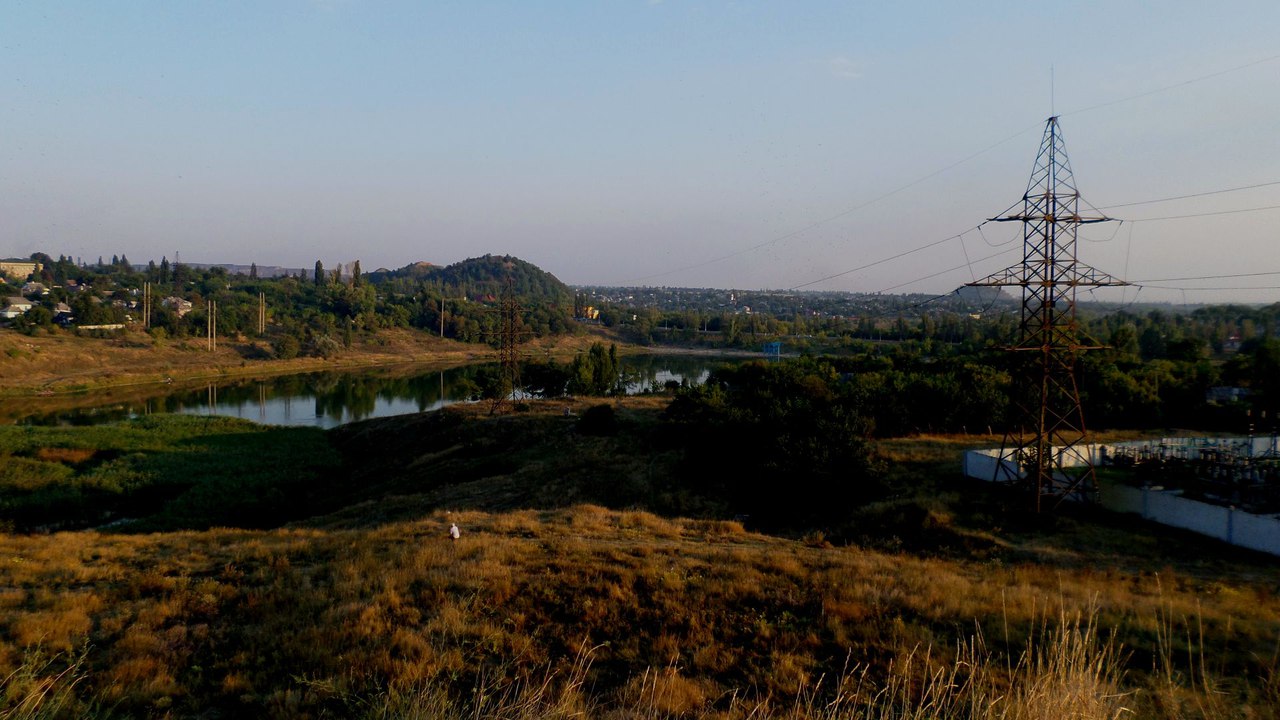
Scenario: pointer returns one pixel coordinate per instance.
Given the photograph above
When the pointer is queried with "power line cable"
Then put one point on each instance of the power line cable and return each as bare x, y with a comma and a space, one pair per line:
1128, 250
1205, 214
1191, 195
1225, 287
1114, 232
881, 261
1099, 210
957, 163
972, 276
1017, 235
837, 216
1171, 87
1209, 277
943, 272
935, 298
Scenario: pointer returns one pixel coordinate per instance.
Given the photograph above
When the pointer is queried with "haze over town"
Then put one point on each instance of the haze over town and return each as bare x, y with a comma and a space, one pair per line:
721, 144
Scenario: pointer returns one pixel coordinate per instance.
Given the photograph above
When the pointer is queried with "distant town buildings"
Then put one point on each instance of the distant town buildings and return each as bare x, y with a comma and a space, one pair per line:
179, 306
15, 306
19, 269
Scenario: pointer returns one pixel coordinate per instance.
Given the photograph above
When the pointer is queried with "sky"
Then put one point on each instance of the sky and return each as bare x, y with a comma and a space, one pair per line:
748, 145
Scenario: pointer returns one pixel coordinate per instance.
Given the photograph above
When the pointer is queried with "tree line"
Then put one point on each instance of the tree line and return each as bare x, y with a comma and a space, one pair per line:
316, 315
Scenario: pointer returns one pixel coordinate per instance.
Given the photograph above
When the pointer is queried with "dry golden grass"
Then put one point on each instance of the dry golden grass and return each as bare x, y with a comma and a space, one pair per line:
687, 618
61, 361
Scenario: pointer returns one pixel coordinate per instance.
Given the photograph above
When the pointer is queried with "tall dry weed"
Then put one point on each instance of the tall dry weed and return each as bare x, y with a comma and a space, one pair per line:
1069, 671
44, 687
497, 695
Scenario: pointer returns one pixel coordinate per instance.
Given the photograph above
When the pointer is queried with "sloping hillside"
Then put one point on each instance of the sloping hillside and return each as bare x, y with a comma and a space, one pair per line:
484, 277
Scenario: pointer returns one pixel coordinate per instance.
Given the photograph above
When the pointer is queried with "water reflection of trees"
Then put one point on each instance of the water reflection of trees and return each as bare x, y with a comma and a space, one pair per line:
338, 397
649, 373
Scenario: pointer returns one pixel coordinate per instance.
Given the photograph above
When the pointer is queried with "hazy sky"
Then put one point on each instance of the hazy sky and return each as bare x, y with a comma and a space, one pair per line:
633, 141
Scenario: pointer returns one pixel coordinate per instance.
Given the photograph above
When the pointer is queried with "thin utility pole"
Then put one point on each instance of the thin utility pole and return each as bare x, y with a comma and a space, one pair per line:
211, 324
262, 313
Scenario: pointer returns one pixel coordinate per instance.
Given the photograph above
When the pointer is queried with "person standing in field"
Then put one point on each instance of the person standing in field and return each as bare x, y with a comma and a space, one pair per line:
454, 532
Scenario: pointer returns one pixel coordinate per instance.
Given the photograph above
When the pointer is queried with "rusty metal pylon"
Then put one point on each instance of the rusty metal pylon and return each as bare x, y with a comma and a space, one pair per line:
508, 337
1045, 445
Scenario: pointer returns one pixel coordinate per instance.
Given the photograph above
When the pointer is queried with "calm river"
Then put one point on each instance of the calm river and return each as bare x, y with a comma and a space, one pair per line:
329, 399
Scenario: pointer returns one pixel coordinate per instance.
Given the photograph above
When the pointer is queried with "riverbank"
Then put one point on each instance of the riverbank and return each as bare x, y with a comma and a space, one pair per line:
62, 363
570, 579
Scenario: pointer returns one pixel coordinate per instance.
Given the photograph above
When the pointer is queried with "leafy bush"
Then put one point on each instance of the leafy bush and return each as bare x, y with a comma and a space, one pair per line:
784, 442
288, 347
167, 471
598, 420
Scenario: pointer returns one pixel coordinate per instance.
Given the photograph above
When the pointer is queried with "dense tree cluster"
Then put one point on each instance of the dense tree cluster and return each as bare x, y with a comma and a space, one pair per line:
317, 316
915, 366
756, 428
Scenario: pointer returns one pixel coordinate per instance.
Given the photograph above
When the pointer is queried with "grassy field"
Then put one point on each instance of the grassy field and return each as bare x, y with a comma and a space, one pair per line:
563, 599
63, 363
161, 472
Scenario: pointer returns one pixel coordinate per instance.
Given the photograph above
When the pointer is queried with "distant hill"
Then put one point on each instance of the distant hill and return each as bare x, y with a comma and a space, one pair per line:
983, 295
484, 277
264, 271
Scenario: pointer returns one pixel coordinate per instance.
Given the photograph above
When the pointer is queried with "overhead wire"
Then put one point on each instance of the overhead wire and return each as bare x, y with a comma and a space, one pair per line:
1205, 214
882, 260
995, 297
1209, 277
965, 250
1191, 195
1166, 88
1016, 235
1119, 224
1224, 287
1128, 250
935, 298
913, 183
943, 272
837, 216
1099, 210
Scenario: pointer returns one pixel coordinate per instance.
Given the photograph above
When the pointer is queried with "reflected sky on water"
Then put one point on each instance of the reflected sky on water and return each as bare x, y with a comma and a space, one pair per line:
329, 399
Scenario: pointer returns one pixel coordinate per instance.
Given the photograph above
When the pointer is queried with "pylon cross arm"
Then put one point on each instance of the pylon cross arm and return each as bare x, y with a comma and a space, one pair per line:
1049, 217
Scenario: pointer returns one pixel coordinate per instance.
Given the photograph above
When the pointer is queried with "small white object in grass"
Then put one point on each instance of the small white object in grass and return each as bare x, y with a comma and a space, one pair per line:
454, 532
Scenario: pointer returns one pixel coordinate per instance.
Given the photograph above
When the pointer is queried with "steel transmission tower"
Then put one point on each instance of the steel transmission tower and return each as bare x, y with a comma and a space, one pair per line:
1045, 445
508, 358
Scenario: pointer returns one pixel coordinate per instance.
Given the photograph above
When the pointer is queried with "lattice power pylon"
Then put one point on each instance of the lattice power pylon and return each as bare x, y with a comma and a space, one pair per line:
508, 339
1045, 446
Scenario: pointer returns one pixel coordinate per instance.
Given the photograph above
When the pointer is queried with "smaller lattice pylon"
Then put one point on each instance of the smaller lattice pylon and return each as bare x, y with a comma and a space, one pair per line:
508, 339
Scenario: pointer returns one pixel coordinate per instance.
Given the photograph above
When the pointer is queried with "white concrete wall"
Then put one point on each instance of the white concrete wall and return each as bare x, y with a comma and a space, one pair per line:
982, 464
1168, 507
1257, 532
